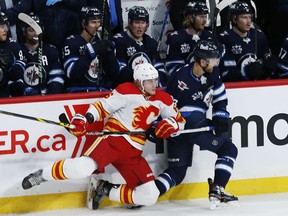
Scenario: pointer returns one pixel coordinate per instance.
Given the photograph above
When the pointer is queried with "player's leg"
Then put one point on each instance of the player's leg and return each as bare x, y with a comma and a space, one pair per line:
227, 153
72, 168
180, 152
79, 167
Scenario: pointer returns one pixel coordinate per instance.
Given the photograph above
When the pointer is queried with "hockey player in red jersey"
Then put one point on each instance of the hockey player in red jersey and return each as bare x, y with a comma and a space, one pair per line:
130, 107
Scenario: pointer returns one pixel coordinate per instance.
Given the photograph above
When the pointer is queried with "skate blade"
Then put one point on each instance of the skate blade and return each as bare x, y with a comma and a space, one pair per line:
91, 192
218, 205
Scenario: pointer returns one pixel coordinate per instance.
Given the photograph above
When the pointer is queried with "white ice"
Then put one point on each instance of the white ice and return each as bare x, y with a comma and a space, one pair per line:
258, 205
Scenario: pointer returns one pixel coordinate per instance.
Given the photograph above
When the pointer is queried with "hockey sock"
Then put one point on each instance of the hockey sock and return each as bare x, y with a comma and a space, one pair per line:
164, 182
223, 169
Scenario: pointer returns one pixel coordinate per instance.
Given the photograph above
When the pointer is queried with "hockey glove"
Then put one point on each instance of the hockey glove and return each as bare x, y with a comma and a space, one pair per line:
7, 59
166, 127
78, 125
99, 47
220, 120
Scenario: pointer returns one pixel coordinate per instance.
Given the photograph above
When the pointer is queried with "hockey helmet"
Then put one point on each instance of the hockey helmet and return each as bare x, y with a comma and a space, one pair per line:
138, 13
145, 71
195, 8
238, 8
90, 13
3, 19
206, 50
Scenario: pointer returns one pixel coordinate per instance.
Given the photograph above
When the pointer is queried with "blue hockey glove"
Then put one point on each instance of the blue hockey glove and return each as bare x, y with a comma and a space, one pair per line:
220, 120
52, 2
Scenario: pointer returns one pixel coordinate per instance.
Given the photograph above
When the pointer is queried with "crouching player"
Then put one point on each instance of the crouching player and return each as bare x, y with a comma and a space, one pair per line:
130, 107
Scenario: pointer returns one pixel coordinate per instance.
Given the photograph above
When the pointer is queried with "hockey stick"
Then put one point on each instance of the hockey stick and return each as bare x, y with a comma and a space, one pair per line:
33, 24
163, 26
66, 125
219, 7
100, 133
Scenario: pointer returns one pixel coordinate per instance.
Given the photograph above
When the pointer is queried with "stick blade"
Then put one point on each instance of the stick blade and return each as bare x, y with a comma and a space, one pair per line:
29, 21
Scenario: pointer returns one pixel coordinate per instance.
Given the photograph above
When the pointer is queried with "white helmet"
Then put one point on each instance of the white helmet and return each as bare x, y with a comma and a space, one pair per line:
145, 71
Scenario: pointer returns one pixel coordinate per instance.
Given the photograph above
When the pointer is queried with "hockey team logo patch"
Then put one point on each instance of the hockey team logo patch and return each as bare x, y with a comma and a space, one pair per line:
182, 86
138, 58
32, 74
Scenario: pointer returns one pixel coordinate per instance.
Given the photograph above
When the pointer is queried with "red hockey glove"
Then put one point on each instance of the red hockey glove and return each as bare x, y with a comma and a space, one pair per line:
166, 127
78, 125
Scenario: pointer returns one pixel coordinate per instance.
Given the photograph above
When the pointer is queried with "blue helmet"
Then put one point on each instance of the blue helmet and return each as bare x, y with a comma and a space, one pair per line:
89, 13
138, 13
195, 8
238, 8
206, 50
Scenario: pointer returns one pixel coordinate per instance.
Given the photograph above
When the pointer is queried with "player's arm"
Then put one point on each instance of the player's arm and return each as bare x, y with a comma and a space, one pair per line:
97, 112
55, 79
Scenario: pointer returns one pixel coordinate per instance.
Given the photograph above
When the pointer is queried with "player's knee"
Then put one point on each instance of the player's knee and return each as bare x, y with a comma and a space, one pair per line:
146, 194
80, 167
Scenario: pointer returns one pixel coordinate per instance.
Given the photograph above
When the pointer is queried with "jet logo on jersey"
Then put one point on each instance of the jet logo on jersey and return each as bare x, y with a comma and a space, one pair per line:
131, 51
32, 74
185, 48
237, 49
182, 86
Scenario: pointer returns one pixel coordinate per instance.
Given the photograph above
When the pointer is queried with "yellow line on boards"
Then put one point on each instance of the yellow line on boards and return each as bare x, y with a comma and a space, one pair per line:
24, 204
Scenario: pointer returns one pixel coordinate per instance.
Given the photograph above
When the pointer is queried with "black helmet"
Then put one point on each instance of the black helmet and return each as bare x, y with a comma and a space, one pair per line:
3, 19
195, 8
238, 8
90, 13
138, 13
206, 50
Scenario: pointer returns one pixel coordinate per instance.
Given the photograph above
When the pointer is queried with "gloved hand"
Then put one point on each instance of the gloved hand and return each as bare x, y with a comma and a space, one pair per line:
52, 2
166, 127
254, 70
220, 120
7, 59
78, 125
270, 66
99, 47
29, 91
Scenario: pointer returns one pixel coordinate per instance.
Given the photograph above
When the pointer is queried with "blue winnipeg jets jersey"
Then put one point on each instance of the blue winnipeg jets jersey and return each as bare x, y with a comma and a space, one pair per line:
13, 76
241, 51
196, 94
130, 52
84, 73
45, 77
283, 59
180, 44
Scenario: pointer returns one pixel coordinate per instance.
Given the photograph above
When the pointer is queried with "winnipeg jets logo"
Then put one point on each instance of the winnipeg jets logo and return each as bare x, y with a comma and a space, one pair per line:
131, 51
182, 86
32, 74
237, 49
185, 48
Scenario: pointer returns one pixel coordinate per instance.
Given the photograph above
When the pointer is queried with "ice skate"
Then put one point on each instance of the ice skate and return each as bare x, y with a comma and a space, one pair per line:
219, 198
102, 190
33, 179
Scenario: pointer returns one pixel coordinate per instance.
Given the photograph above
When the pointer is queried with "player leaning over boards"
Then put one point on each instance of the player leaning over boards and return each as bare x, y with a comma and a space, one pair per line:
195, 87
130, 107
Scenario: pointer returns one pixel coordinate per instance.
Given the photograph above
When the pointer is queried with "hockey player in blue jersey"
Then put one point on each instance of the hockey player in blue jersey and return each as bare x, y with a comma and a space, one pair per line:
41, 77
11, 62
283, 59
181, 43
194, 88
134, 47
247, 55
85, 60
